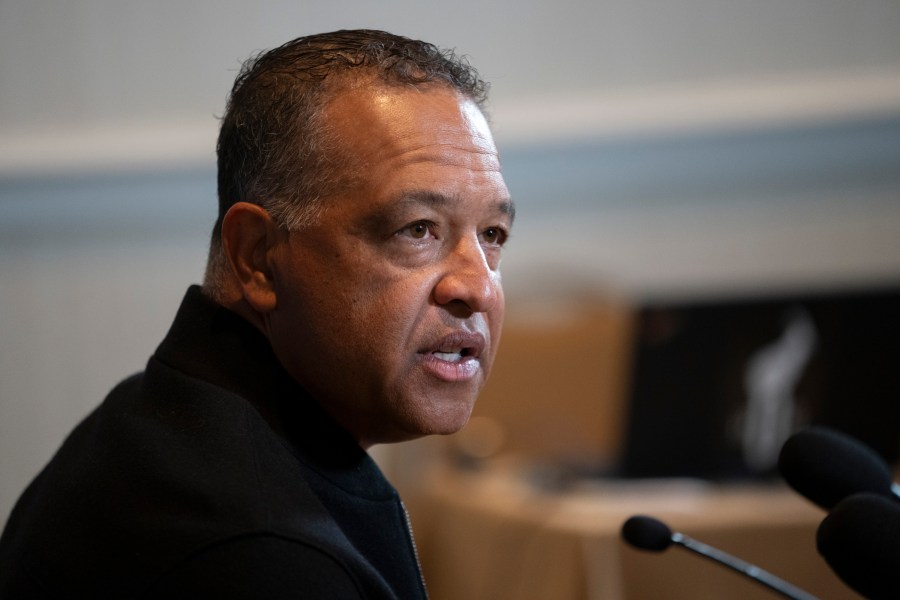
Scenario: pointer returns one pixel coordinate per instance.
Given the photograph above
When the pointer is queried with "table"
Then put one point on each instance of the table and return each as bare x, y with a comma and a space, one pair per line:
493, 534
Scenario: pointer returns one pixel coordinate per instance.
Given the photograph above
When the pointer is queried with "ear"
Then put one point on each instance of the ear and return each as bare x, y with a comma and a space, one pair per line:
248, 236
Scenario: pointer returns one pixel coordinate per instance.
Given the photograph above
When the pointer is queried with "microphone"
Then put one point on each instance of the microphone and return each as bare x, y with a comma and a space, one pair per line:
860, 541
826, 466
648, 533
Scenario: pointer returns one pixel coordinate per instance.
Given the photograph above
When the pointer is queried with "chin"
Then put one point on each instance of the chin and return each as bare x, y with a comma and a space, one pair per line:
450, 420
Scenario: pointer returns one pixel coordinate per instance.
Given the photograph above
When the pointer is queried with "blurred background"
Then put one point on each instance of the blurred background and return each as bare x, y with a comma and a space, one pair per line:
707, 253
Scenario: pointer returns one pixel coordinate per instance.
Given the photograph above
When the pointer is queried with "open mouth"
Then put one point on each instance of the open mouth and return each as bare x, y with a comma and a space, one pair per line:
453, 355
457, 347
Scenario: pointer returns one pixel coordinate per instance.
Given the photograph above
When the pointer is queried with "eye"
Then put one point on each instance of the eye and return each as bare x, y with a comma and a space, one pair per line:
418, 230
495, 236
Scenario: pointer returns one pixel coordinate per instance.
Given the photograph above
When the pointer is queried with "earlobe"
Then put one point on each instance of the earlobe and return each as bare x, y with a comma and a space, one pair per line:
248, 235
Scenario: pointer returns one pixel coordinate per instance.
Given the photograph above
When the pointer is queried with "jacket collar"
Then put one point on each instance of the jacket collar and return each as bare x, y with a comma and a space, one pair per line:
211, 343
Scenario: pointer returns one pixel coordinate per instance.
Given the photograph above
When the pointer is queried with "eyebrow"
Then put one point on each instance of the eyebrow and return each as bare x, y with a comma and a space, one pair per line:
506, 207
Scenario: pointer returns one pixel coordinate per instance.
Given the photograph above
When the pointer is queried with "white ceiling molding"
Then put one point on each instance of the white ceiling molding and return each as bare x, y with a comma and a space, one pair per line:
697, 109
109, 147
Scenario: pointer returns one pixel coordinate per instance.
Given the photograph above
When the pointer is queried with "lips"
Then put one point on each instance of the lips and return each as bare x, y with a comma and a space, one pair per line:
454, 357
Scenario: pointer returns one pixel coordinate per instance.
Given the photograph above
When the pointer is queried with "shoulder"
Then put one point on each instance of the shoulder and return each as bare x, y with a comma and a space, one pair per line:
259, 566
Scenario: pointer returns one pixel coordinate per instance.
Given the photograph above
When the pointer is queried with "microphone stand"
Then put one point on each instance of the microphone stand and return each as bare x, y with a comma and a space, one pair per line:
752, 571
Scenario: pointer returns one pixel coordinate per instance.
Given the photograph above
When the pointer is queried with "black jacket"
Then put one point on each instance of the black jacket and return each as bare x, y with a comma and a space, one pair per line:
210, 475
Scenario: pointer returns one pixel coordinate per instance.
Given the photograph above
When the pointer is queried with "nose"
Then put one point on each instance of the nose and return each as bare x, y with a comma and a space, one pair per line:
468, 281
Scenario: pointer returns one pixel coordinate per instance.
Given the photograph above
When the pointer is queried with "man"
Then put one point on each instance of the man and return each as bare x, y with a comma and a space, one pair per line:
352, 298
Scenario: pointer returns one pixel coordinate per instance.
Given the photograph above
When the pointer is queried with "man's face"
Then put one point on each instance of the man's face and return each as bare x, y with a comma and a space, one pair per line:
389, 307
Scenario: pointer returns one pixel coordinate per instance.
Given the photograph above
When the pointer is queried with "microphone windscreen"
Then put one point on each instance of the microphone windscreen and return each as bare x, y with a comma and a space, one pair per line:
647, 533
827, 466
860, 540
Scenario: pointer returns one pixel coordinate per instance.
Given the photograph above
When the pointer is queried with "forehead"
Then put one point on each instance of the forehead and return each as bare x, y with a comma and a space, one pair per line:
404, 143
378, 122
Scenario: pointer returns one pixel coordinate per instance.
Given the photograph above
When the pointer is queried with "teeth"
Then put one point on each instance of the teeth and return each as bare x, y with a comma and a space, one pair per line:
449, 356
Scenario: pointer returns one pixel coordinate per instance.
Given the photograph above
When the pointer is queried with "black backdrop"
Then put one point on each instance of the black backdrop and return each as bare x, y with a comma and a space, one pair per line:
688, 392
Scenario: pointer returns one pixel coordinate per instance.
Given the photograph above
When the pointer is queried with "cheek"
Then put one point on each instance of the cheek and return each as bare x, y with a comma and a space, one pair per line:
388, 313
372, 316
